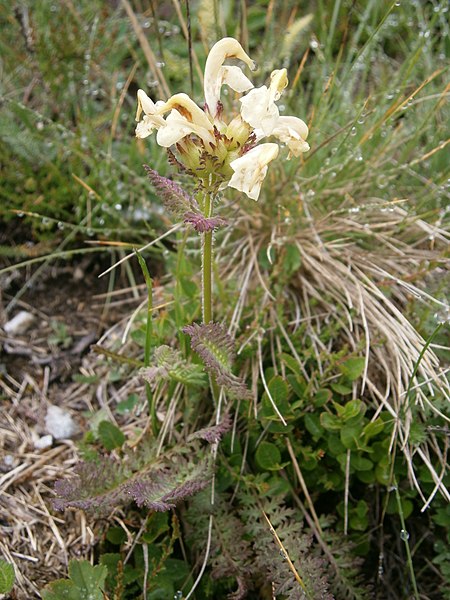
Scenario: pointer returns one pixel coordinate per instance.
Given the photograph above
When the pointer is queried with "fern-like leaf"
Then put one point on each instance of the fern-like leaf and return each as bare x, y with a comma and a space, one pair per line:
161, 490
169, 364
175, 199
216, 347
201, 224
297, 544
215, 432
156, 481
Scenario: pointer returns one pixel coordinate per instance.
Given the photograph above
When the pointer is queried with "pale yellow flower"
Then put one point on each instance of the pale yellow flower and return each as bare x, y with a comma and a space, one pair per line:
251, 168
221, 152
293, 132
216, 74
258, 106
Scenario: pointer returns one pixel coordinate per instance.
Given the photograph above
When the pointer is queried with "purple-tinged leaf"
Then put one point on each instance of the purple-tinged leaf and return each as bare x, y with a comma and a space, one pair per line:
215, 432
175, 199
216, 347
201, 224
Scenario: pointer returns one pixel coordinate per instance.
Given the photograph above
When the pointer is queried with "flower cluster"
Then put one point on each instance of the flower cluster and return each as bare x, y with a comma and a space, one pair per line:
218, 152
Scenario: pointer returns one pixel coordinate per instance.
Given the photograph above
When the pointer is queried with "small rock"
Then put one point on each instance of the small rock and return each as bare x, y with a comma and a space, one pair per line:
59, 423
8, 460
43, 442
19, 323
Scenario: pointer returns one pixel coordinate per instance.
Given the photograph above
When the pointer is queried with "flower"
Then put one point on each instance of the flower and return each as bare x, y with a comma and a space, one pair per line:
251, 168
293, 132
216, 74
258, 106
217, 151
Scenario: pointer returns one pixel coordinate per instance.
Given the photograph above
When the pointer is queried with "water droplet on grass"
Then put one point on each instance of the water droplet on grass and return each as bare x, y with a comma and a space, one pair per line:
404, 535
381, 181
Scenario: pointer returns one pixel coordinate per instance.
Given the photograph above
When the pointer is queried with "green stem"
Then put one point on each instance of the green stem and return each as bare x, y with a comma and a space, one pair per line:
207, 265
207, 254
405, 536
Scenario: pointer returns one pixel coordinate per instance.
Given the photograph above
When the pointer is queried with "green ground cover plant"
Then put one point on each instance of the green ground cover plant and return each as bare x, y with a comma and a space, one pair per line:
277, 421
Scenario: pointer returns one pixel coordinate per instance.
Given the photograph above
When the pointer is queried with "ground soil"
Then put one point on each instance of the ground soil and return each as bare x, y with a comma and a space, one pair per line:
71, 310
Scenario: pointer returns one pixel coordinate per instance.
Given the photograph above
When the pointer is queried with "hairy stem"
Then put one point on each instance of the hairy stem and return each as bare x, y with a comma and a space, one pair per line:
207, 254
207, 265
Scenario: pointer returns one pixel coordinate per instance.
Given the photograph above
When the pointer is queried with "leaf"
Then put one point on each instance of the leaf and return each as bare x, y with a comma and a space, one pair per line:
175, 199
372, 429
360, 463
291, 363
292, 259
341, 390
88, 579
279, 389
216, 348
268, 456
322, 397
330, 422
126, 406
85, 583
7, 577
353, 368
116, 535
61, 588
349, 436
313, 425
352, 409
110, 436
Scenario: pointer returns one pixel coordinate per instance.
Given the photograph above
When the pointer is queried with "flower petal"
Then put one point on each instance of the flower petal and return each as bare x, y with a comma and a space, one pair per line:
259, 111
293, 132
258, 106
214, 76
251, 168
177, 127
151, 120
235, 79
145, 127
187, 113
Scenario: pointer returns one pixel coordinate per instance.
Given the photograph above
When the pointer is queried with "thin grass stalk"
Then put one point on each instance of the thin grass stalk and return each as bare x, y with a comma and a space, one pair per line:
148, 340
405, 537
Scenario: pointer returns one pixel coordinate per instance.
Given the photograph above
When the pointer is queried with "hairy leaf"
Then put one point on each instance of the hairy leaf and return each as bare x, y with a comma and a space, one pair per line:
175, 199
216, 347
201, 223
161, 490
215, 432
169, 364
156, 481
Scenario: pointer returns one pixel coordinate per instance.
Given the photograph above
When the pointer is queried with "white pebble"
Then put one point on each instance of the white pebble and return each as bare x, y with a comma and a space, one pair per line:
43, 442
19, 323
59, 423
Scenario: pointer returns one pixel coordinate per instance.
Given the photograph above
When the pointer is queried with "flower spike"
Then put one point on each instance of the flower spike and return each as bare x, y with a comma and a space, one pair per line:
223, 152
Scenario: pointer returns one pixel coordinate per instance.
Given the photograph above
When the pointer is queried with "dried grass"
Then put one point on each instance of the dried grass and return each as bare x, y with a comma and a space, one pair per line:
362, 269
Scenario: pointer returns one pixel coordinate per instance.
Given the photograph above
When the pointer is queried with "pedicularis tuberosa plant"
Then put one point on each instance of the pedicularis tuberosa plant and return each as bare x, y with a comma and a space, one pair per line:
218, 151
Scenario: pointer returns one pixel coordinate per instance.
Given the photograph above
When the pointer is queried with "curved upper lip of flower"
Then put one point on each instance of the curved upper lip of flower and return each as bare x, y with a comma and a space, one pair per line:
216, 74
